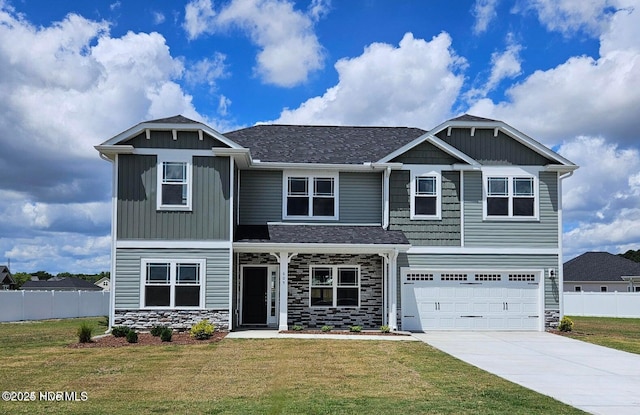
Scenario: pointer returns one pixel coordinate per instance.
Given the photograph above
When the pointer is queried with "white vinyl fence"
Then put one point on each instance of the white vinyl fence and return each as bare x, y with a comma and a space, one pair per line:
611, 304
42, 305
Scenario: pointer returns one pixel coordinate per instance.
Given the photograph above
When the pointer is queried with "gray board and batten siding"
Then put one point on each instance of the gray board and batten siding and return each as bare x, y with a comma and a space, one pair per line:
442, 232
187, 140
261, 193
128, 263
138, 217
497, 262
489, 150
542, 233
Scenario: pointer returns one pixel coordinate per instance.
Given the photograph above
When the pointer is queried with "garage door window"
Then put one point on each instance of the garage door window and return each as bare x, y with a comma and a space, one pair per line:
335, 286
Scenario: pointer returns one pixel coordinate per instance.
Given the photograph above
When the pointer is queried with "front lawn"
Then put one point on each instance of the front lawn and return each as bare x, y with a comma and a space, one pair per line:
617, 333
278, 376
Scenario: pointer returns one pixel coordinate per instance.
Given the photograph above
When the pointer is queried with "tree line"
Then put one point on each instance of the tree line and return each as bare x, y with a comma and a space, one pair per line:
22, 277
632, 255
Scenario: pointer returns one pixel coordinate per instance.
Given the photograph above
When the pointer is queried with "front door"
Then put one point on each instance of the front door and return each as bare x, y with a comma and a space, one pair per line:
254, 295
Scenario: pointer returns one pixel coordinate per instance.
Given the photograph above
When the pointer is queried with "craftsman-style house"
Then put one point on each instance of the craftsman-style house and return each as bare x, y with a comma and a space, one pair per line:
278, 225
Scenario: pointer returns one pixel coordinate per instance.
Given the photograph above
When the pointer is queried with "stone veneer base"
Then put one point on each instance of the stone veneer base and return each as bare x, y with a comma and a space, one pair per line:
551, 319
179, 320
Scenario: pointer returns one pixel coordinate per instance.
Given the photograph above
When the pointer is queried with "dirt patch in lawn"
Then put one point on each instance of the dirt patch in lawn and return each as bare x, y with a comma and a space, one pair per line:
146, 339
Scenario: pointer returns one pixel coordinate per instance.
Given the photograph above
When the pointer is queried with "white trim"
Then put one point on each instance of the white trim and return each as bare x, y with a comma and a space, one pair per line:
322, 224
231, 228
311, 175
172, 244
114, 236
270, 268
173, 154
438, 143
257, 164
174, 158
319, 248
560, 178
485, 250
202, 263
424, 171
511, 173
462, 213
335, 269
385, 197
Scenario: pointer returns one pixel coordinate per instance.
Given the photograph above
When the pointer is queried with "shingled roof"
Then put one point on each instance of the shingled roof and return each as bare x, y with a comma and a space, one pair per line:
322, 144
599, 266
318, 234
64, 284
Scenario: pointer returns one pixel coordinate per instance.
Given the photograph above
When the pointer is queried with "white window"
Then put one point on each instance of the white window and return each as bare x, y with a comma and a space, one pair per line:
425, 196
577, 288
172, 283
603, 288
334, 286
510, 196
174, 185
310, 196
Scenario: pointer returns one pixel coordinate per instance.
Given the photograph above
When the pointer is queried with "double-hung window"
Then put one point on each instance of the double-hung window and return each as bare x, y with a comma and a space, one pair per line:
310, 196
335, 286
174, 184
511, 196
425, 196
172, 284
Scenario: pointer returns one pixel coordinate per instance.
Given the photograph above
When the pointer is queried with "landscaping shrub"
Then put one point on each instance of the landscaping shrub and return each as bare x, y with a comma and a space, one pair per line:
132, 336
297, 328
157, 330
385, 329
327, 328
84, 333
120, 331
355, 329
202, 330
566, 324
166, 334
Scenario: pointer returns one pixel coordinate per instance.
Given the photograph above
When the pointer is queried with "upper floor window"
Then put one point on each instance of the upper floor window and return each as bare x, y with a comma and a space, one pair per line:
174, 185
310, 196
510, 196
425, 196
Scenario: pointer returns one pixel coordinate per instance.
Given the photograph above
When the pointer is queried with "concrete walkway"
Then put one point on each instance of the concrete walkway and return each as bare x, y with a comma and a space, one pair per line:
595, 379
274, 334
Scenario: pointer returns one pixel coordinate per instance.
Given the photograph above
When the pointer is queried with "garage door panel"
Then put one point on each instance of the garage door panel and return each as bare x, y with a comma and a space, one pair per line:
462, 301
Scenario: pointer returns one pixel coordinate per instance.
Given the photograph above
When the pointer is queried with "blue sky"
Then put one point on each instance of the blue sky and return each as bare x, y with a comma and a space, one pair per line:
74, 74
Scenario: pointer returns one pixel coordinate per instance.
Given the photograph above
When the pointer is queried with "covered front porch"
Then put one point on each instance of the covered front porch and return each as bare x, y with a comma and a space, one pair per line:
332, 275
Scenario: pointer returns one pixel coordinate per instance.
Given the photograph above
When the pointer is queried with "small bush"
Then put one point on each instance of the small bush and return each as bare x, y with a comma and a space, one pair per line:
326, 328
385, 329
84, 333
120, 331
355, 329
157, 330
132, 336
166, 334
297, 328
566, 324
202, 330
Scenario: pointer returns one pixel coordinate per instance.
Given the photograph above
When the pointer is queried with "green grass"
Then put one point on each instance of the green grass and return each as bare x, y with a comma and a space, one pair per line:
275, 376
617, 333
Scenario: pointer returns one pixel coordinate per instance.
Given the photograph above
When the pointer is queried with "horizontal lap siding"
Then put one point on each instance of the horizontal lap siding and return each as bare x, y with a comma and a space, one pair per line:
488, 262
360, 197
138, 217
531, 234
128, 278
444, 232
260, 197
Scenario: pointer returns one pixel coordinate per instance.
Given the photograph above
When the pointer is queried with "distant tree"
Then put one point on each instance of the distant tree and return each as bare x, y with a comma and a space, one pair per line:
632, 255
43, 275
21, 278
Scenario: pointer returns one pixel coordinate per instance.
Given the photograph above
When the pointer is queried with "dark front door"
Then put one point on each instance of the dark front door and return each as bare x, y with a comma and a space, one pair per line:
254, 295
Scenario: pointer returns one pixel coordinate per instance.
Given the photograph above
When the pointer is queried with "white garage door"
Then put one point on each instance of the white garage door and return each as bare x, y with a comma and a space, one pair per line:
463, 300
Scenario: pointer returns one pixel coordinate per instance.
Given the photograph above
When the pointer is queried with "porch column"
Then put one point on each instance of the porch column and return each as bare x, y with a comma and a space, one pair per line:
283, 260
393, 290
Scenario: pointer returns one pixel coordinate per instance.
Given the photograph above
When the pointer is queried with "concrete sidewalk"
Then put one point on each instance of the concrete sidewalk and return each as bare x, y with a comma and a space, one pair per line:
595, 379
274, 334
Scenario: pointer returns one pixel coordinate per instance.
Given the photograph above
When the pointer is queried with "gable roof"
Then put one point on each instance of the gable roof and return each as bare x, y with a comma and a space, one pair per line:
68, 283
5, 275
322, 144
599, 266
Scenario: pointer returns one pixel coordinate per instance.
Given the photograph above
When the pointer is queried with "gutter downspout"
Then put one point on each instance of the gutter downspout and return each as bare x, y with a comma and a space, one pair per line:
560, 263
385, 197
114, 218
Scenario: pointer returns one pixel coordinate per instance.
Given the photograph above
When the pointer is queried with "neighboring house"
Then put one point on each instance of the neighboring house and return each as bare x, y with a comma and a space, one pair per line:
280, 225
104, 283
601, 272
6, 279
60, 284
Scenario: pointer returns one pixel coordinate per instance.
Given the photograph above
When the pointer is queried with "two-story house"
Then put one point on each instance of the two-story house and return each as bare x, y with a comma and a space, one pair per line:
459, 227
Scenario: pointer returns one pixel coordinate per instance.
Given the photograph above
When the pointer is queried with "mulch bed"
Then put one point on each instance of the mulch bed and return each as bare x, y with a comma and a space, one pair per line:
146, 339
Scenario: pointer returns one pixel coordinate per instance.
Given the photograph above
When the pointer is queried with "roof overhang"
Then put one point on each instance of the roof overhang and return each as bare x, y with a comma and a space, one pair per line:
435, 141
631, 278
318, 248
369, 166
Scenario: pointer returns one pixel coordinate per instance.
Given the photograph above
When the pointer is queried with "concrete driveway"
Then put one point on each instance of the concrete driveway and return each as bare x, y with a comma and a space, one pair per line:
595, 379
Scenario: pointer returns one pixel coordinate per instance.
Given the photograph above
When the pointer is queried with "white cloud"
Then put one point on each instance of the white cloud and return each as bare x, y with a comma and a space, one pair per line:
504, 65
414, 84
319, 9
288, 48
570, 16
484, 11
207, 71
582, 95
158, 18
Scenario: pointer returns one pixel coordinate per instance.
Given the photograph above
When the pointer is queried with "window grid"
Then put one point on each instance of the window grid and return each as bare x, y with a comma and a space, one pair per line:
453, 277
488, 277
334, 286
522, 277
419, 276
311, 197
512, 197
172, 284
